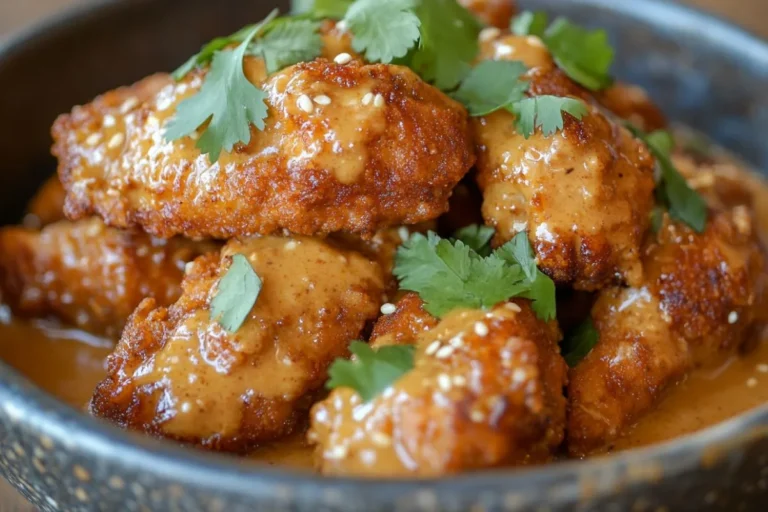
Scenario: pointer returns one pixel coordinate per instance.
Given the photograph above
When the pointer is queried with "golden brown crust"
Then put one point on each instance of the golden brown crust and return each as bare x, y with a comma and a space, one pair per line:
352, 165
89, 275
178, 374
486, 391
632, 104
47, 206
404, 326
496, 13
584, 194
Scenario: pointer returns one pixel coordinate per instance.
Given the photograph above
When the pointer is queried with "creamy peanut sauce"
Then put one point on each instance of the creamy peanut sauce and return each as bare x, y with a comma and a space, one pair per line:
68, 364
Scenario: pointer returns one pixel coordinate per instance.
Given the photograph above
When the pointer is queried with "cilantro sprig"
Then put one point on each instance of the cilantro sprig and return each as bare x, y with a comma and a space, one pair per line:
228, 103
579, 343
584, 55
495, 85
372, 371
383, 31
477, 237
235, 294
450, 274
672, 190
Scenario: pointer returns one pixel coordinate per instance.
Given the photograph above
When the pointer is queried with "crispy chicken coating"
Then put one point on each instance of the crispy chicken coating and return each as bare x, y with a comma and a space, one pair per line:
176, 373
632, 104
496, 13
47, 206
703, 297
89, 275
384, 149
486, 391
404, 325
584, 194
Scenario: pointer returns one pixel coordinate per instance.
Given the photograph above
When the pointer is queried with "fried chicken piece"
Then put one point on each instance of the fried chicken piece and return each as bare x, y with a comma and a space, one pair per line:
703, 298
47, 206
486, 391
386, 150
89, 275
176, 373
632, 104
496, 13
584, 194
404, 325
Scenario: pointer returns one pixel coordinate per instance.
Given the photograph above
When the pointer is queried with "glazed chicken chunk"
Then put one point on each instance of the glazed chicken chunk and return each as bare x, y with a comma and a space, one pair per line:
496, 13
47, 206
177, 373
702, 298
89, 275
486, 391
377, 147
584, 194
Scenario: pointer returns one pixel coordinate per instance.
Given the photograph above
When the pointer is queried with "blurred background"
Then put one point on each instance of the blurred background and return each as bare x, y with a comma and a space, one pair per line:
16, 14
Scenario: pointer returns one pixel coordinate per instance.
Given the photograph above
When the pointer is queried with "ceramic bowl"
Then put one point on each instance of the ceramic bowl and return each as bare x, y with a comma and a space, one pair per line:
704, 72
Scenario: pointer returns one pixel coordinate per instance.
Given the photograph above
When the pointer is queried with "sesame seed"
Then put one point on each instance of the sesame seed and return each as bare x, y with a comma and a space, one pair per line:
368, 98
378, 101
153, 122
432, 348
762, 368
289, 246
129, 104
444, 382
503, 50
456, 341
535, 41
381, 439
751, 382
186, 407
388, 308
109, 121
116, 140
489, 33
733, 317
188, 267
338, 452
481, 329
459, 381
513, 307
93, 139
444, 352
305, 104
342, 58
322, 100
403, 233
476, 416
342, 26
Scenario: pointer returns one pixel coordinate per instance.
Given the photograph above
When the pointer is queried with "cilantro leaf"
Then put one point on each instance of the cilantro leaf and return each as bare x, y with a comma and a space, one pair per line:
209, 50
236, 294
373, 371
226, 100
449, 275
492, 85
477, 237
579, 343
683, 202
545, 112
289, 42
383, 30
530, 23
584, 55
321, 8
540, 288
448, 43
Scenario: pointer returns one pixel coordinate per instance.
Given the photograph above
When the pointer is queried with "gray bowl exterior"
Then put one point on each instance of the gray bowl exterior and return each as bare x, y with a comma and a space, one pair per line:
703, 73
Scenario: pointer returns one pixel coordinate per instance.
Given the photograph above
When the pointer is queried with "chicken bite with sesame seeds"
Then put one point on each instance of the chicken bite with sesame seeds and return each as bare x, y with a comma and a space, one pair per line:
89, 275
583, 194
486, 391
703, 297
347, 147
179, 374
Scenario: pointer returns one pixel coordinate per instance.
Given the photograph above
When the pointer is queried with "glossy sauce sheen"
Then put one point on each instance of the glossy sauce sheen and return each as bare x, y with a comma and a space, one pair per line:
69, 364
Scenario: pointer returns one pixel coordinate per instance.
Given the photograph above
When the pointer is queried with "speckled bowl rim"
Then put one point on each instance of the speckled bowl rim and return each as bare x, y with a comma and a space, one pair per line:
52, 420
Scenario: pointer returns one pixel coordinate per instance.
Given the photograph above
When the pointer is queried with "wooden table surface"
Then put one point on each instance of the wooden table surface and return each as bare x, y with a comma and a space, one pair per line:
17, 14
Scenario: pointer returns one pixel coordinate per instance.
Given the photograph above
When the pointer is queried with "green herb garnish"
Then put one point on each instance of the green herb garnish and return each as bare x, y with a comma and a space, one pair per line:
584, 55
495, 85
477, 237
450, 274
383, 31
373, 371
236, 294
579, 343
